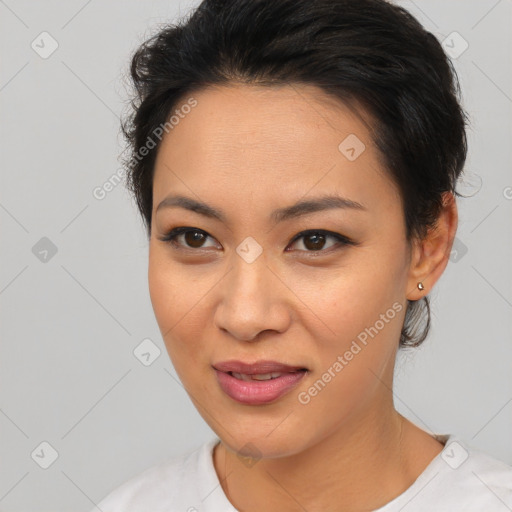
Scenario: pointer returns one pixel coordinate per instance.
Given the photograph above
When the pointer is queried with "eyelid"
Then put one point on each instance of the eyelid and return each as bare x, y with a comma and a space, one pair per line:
342, 240
172, 234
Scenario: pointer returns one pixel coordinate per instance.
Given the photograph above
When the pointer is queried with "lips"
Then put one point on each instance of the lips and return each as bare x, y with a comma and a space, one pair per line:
257, 383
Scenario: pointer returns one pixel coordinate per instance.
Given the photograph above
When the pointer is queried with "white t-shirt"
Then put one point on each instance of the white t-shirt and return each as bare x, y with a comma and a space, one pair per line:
458, 479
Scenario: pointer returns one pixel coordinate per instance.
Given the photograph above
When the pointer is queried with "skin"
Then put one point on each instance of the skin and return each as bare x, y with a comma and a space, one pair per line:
247, 150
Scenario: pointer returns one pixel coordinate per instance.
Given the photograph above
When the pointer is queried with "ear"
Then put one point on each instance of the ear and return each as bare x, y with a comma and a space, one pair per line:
430, 256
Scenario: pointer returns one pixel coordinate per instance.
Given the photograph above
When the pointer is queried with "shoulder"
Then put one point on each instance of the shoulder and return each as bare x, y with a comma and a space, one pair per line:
471, 480
460, 478
174, 484
477, 472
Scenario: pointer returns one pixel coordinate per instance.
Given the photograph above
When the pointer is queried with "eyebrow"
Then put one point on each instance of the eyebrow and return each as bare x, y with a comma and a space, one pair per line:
298, 209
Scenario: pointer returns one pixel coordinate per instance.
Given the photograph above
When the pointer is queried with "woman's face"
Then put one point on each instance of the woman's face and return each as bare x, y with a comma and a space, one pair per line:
244, 286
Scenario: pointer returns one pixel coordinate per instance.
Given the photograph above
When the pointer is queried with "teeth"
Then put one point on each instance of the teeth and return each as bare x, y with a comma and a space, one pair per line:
241, 376
267, 376
259, 376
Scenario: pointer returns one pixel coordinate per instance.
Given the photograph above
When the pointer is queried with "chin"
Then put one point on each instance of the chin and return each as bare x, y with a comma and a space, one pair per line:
258, 435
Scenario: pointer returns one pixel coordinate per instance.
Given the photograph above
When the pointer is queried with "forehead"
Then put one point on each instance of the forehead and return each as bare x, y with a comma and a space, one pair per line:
283, 120
243, 140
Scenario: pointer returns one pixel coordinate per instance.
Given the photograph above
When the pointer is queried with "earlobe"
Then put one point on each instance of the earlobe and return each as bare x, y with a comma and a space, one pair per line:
431, 254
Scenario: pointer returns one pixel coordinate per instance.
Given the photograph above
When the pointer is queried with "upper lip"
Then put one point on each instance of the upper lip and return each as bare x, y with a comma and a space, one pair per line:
255, 368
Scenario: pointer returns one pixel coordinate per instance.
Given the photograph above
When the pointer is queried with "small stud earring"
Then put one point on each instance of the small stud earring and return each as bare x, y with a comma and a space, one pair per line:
420, 286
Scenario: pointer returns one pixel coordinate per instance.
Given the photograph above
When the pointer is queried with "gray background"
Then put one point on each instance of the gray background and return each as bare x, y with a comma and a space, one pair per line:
71, 320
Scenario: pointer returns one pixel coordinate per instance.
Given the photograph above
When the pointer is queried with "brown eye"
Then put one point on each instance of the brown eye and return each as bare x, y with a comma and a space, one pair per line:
318, 241
195, 238
189, 238
314, 242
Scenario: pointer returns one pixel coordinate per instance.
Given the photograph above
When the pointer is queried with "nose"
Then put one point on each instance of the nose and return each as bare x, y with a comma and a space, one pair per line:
253, 300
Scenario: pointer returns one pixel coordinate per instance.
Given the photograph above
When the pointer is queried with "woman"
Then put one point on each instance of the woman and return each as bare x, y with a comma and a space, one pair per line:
295, 164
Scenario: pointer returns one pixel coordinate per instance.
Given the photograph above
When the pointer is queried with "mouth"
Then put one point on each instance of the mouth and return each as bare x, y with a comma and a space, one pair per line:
257, 376
257, 383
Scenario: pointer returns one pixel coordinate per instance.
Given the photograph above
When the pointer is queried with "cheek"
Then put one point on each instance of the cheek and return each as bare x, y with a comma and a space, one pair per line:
176, 297
358, 311
349, 298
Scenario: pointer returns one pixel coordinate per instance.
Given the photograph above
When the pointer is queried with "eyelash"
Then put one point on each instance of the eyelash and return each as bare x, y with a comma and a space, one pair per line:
342, 240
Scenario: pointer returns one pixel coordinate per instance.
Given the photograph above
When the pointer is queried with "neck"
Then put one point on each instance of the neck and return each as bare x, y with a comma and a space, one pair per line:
354, 468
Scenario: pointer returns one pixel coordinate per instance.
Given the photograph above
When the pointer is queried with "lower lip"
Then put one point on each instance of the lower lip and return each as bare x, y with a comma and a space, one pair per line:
258, 392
